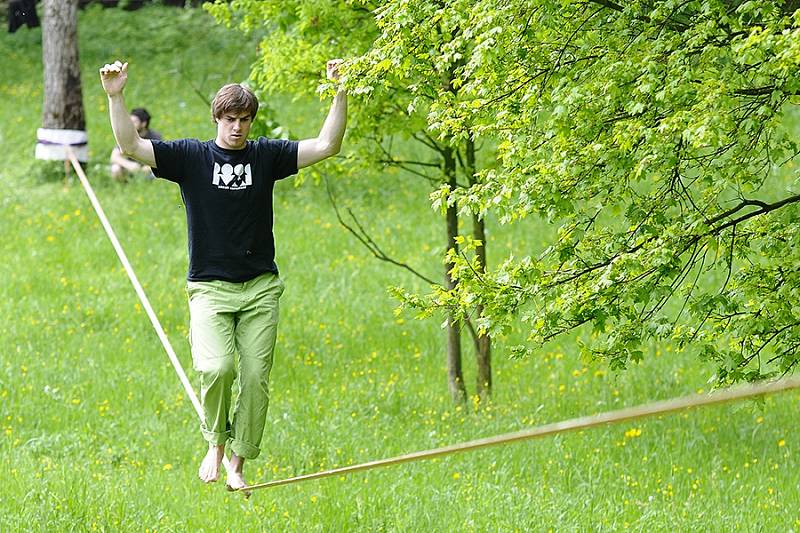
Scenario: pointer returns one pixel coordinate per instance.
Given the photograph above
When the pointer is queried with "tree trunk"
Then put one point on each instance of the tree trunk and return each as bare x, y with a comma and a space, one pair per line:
483, 344
63, 100
455, 376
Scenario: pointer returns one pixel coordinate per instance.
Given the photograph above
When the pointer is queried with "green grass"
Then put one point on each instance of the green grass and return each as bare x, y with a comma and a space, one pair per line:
97, 433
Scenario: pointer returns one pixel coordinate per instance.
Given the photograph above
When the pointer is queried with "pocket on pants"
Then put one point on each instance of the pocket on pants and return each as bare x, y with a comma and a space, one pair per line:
194, 288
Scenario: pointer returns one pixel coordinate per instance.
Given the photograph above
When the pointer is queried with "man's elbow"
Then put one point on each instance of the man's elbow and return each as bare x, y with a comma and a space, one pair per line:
330, 149
127, 151
136, 150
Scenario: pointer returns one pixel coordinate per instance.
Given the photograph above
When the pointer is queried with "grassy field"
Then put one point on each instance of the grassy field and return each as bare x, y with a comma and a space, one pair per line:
97, 434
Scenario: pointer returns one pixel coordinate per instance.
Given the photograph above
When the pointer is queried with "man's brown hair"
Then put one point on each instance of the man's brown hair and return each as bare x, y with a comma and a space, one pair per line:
234, 98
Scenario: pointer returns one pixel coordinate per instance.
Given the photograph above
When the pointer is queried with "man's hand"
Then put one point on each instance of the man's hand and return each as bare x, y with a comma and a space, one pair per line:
329, 141
332, 69
113, 77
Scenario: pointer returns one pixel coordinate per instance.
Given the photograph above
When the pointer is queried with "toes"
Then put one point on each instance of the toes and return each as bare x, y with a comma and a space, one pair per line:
209, 469
239, 489
208, 475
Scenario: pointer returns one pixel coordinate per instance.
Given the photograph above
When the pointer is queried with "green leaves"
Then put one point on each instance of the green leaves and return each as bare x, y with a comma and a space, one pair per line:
641, 129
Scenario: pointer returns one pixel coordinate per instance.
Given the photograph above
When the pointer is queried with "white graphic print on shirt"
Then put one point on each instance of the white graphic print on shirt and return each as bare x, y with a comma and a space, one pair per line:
231, 177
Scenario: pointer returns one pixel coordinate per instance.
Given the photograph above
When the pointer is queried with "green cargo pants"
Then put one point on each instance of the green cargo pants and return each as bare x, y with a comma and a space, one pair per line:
229, 320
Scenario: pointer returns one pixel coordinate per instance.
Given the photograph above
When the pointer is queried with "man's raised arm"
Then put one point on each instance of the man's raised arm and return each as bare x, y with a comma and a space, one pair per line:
114, 77
329, 141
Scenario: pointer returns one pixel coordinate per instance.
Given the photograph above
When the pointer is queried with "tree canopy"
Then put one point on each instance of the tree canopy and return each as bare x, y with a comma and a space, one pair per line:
656, 138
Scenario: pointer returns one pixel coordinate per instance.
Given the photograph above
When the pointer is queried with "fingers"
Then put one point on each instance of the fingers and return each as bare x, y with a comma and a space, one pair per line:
114, 76
332, 68
116, 67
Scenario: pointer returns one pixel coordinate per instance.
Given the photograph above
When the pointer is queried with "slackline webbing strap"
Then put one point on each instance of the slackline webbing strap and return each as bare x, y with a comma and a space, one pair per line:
610, 417
136, 285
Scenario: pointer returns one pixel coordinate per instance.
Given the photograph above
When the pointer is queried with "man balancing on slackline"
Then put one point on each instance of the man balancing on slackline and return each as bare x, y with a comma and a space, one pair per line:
233, 284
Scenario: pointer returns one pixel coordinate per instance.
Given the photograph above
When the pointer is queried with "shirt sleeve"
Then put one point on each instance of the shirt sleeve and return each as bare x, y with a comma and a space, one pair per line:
173, 158
279, 156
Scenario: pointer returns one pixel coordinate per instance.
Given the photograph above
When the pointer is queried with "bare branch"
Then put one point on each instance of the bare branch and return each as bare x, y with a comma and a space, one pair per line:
367, 241
401, 162
405, 164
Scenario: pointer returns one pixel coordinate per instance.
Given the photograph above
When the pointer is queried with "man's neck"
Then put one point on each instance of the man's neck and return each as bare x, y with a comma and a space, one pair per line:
221, 144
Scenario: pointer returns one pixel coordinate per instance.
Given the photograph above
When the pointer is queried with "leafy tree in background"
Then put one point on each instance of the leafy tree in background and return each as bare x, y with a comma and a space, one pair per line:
300, 36
656, 138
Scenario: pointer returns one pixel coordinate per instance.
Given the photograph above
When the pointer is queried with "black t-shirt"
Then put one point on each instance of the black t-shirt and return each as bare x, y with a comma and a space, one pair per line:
228, 198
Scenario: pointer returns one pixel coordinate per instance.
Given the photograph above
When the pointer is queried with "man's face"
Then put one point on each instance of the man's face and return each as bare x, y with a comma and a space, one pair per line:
138, 124
233, 129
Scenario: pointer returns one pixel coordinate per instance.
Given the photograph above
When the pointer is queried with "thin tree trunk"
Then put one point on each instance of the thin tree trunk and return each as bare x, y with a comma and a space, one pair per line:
483, 344
455, 376
63, 99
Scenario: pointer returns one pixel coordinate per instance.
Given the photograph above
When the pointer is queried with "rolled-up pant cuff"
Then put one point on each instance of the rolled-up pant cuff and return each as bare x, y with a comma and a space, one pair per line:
243, 449
215, 438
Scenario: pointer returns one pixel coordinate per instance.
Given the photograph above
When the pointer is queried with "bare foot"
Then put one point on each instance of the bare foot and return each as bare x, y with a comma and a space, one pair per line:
209, 468
235, 479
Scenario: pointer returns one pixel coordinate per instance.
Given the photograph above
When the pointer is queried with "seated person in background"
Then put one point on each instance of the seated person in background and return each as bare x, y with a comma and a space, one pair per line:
121, 165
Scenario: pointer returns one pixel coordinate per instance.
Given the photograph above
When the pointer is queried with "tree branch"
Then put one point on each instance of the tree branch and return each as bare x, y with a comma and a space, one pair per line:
367, 241
765, 208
